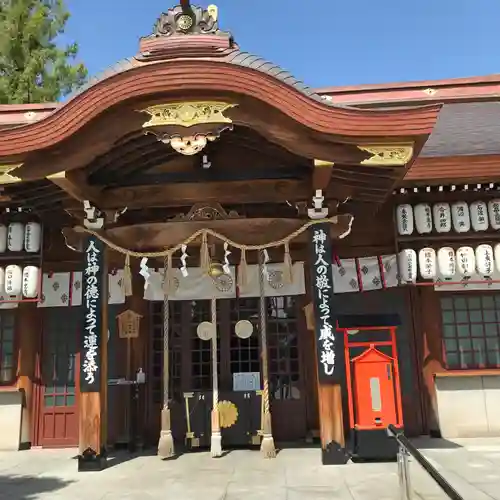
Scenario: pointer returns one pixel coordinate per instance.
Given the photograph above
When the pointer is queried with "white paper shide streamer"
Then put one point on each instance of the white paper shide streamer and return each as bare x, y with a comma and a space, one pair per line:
423, 218
447, 262
144, 272
466, 261
184, 256
31, 276
479, 216
227, 253
265, 269
13, 280
484, 260
427, 263
460, 216
494, 213
404, 217
408, 265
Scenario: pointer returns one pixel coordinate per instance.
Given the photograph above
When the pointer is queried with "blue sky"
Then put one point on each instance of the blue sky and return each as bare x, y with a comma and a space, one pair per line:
323, 42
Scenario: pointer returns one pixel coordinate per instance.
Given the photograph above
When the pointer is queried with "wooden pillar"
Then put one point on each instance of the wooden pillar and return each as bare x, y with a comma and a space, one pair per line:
92, 417
28, 334
329, 348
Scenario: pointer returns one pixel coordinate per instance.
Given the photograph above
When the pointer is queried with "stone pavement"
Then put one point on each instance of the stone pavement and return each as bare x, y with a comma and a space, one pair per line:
473, 466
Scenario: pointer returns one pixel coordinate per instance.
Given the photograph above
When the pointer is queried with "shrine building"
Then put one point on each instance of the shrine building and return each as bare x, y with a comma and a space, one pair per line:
198, 251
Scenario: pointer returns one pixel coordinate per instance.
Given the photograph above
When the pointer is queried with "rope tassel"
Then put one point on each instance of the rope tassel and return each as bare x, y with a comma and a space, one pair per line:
166, 441
216, 438
267, 445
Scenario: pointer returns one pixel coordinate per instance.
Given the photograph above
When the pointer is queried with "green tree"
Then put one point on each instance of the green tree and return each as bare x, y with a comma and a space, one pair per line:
33, 68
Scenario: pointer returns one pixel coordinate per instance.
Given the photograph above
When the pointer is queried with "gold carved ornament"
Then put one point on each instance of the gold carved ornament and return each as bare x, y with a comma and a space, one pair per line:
393, 155
6, 174
165, 119
228, 414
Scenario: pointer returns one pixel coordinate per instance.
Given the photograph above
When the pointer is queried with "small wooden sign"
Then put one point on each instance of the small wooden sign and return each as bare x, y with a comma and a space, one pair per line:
129, 323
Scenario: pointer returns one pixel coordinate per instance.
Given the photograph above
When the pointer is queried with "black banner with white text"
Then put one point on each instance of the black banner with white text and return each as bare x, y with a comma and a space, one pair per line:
93, 299
329, 343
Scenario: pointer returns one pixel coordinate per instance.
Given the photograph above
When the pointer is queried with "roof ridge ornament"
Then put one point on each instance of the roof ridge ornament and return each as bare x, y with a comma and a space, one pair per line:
187, 19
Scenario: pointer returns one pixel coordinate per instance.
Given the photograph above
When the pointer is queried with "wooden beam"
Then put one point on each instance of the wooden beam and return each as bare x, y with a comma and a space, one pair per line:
75, 184
185, 194
322, 174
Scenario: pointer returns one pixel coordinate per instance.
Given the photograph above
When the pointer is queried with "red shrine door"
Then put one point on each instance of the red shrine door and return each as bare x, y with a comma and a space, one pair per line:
374, 391
58, 417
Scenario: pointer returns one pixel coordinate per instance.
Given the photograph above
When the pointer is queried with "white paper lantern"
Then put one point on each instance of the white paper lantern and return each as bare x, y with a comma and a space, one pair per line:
466, 261
423, 218
441, 213
494, 213
32, 237
31, 276
496, 256
407, 260
3, 238
2, 280
479, 216
484, 260
460, 217
13, 280
427, 263
404, 216
447, 262
15, 237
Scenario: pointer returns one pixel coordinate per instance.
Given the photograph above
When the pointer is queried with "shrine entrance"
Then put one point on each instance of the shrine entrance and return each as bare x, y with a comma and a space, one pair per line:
239, 359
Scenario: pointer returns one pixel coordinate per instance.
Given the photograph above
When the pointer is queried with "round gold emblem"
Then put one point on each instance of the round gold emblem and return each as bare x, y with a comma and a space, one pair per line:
223, 283
184, 22
228, 414
276, 280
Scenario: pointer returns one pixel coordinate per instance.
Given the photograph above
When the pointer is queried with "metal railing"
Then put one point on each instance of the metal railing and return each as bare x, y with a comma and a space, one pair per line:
406, 448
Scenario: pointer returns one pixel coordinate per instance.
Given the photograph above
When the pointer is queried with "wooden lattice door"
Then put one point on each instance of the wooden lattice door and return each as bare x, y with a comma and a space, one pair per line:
59, 371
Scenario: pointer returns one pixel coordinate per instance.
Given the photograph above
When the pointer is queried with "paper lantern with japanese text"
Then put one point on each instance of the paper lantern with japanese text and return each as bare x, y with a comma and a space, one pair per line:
484, 260
15, 237
32, 237
31, 278
496, 256
460, 216
3, 238
404, 216
466, 261
447, 262
494, 213
442, 217
479, 216
407, 260
427, 263
423, 218
13, 280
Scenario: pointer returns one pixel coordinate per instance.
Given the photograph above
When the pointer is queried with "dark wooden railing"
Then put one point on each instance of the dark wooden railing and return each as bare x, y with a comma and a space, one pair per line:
406, 448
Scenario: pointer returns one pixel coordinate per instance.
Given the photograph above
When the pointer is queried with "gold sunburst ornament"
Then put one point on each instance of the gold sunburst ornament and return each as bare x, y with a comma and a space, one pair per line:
228, 414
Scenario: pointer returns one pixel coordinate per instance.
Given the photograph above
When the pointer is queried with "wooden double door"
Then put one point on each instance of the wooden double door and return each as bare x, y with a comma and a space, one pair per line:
191, 365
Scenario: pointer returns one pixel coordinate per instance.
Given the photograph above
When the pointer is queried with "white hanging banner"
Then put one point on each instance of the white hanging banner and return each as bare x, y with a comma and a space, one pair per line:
390, 268
275, 282
116, 292
345, 276
55, 290
197, 285
369, 271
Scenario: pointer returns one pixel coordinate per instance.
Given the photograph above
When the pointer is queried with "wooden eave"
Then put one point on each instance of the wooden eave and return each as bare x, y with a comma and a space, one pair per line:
135, 80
